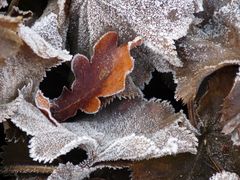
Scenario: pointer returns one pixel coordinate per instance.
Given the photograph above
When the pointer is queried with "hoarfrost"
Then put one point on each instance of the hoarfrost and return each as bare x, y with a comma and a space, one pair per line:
159, 22
3, 3
225, 175
128, 129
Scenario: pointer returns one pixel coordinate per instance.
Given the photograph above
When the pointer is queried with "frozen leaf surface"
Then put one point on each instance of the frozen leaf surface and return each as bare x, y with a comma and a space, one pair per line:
225, 175
104, 75
159, 22
25, 56
53, 24
208, 49
130, 129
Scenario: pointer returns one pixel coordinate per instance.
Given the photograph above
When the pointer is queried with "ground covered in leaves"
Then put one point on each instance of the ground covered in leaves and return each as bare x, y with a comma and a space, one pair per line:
130, 89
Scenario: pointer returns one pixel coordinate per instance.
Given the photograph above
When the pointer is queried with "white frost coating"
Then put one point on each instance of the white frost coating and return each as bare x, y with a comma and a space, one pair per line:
225, 175
129, 129
171, 146
40, 46
70, 172
47, 28
3, 3
49, 141
159, 22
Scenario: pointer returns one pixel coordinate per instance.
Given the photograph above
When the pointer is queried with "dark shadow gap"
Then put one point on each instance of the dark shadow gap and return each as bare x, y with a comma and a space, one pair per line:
110, 174
162, 86
52, 85
75, 156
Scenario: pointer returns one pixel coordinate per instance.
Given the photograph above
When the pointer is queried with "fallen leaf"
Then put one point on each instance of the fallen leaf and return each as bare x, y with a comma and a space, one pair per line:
207, 49
219, 149
130, 129
10, 42
230, 112
107, 71
53, 23
25, 57
169, 21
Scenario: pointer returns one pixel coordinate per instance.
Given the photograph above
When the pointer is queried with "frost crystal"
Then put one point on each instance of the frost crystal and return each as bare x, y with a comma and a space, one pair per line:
225, 175
3, 3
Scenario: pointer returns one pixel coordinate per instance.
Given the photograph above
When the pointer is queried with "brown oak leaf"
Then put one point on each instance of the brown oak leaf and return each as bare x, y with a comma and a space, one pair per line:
104, 75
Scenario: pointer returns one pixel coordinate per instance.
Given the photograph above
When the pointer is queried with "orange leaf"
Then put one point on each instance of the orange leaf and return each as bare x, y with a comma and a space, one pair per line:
104, 75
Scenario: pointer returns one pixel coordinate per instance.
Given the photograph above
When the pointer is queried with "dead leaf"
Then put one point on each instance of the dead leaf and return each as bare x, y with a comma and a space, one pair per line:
230, 112
218, 147
169, 21
107, 71
130, 129
10, 42
26, 57
53, 24
207, 49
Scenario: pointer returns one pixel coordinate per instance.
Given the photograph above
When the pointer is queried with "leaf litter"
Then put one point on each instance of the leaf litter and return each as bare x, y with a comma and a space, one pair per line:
195, 40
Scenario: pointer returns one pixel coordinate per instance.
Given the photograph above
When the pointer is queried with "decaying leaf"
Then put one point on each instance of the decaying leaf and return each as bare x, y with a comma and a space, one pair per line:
130, 129
10, 42
107, 71
225, 175
216, 147
25, 57
230, 112
134, 133
208, 49
159, 22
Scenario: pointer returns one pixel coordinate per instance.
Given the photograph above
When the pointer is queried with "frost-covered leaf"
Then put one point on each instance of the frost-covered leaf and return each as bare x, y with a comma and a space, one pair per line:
130, 129
3, 3
53, 24
10, 42
208, 49
159, 22
102, 76
24, 57
225, 175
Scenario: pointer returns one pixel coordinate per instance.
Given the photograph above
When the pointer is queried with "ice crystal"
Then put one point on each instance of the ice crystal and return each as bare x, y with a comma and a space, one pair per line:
225, 175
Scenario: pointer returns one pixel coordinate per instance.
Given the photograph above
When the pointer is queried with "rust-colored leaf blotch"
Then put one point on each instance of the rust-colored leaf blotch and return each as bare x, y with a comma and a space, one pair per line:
104, 75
